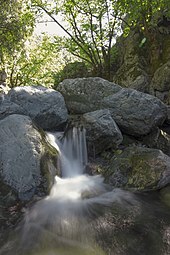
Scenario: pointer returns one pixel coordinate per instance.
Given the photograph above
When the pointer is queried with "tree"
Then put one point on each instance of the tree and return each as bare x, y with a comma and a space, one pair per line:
16, 24
142, 13
35, 63
92, 25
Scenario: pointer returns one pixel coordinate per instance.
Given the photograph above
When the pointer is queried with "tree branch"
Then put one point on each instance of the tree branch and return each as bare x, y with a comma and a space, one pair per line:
78, 41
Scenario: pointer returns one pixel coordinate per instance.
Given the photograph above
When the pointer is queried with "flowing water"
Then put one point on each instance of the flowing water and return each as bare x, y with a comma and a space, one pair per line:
84, 216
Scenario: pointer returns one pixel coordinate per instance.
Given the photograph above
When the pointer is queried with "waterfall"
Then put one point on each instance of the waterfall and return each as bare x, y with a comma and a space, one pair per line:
64, 222
72, 161
84, 216
73, 158
72, 150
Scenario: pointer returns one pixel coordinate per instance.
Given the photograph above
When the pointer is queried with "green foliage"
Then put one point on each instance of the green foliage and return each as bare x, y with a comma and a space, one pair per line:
91, 27
16, 23
35, 64
141, 13
70, 71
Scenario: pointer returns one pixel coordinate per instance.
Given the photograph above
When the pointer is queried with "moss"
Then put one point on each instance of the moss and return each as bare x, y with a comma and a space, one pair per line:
143, 175
48, 164
136, 167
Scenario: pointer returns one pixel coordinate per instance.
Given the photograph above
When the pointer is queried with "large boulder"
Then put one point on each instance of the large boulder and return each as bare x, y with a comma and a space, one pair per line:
136, 113
101, 131
160, 84
139, 168
46, 107
22, 154
8, 108
132, 76
132, 73
84, 95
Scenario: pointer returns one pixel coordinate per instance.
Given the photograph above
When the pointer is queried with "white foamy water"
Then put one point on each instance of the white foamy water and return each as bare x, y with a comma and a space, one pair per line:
72, 151
65, 215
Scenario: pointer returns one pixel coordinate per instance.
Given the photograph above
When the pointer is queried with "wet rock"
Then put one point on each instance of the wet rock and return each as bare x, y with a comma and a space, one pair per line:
101, 131
9, 210
165, 195
22, 150
46, 107
139, 168
135, 113
168, 115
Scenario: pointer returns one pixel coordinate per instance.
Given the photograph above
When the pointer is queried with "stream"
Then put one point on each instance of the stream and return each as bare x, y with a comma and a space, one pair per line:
84, 216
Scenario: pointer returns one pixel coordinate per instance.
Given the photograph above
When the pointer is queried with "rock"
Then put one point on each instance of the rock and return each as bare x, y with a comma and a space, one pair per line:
139, 168
84, 95
101, 131
140, 83
168, 115
160, 84
9, 211
132, 71
142, 60
165, 195
7, 108
22, 150
46, 107
158, 139
135, 113
132, 77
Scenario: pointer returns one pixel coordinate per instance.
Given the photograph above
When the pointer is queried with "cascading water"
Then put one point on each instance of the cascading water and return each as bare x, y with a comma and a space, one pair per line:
83, 216
64, 222
72, 151
75, 184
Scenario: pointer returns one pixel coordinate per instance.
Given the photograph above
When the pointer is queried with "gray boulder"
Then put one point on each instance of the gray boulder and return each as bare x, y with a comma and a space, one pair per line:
132, 76
101, 131
158, 139
7, 108
160, 84
84, 95
139, 168
136, 113
22, 152
46, 107
168, 115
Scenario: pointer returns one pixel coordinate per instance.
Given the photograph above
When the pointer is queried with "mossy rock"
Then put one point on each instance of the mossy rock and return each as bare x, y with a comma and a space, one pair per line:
139, 168
48, 165
165, 195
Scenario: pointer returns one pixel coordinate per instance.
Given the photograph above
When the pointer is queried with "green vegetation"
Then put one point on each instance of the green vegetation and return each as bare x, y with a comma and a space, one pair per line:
35, 63
91, 29
71, 70
16, 24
